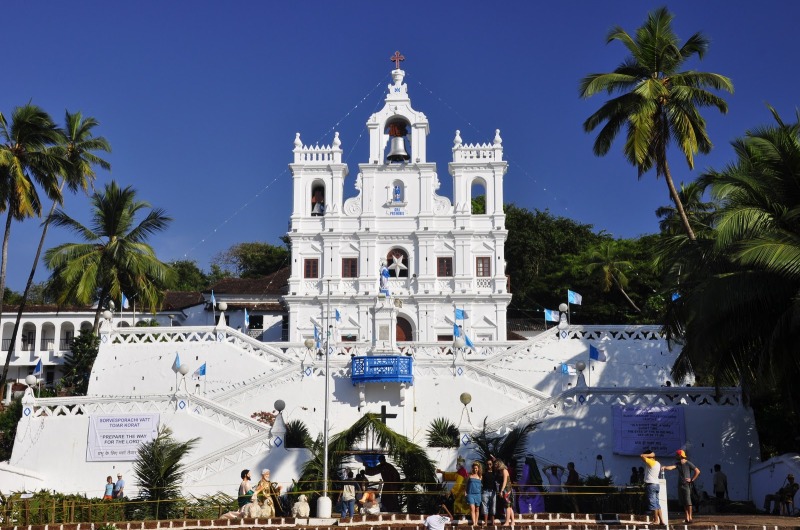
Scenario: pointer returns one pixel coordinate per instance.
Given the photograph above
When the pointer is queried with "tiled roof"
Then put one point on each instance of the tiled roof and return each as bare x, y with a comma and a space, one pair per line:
177, 300
274, 284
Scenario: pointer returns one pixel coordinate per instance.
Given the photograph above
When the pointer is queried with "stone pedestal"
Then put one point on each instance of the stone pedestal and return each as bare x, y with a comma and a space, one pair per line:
384, 326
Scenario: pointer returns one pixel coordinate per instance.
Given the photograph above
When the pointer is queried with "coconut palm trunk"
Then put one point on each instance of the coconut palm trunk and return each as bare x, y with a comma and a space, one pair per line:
24, 302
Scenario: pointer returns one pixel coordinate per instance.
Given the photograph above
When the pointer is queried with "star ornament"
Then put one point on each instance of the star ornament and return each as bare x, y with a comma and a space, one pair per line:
397, 265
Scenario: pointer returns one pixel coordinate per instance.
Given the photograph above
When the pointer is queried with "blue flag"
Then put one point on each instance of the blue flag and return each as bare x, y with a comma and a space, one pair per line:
574, 298
564, 368
200, 371
177, 364
213, 300
38, 370
125, 304
316, 337
338, 316
675, 296
456, 330
551, 315
468, 342
461, 314
246, 321
597, 355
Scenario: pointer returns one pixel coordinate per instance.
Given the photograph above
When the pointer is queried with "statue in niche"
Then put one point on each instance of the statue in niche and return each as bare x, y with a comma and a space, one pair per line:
384, 278
398, 194
318, 202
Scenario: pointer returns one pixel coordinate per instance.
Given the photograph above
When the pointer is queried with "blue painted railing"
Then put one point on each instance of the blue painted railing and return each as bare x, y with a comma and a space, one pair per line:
382, 369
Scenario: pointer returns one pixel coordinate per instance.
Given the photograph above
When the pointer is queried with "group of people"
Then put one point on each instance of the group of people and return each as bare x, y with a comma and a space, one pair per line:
556, 483
114, 490
371, 498
485, 488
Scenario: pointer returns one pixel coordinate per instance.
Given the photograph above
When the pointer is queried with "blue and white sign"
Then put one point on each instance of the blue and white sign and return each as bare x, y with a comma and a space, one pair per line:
661, 429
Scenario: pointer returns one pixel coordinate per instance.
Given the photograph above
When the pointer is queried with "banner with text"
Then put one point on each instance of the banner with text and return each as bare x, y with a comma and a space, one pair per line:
117, 437
661, 429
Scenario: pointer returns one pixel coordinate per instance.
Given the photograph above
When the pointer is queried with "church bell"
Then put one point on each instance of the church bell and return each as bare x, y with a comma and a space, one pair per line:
397, 153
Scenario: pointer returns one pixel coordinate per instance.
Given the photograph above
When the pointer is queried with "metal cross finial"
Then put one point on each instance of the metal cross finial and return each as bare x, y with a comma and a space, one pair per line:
396, 58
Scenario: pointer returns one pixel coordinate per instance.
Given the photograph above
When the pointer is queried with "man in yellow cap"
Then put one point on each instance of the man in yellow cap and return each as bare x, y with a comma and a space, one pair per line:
687, 474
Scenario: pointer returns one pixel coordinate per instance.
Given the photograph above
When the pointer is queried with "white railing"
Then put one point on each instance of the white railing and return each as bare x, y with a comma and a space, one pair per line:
477, 152
628, 397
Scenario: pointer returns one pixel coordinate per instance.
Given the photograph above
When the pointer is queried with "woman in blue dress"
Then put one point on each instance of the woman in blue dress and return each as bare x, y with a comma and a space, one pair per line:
474, 487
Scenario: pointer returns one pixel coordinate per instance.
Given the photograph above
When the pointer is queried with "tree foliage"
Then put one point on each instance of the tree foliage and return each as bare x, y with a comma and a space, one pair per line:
78, 363
252, 260
115, 257
442, 433
658, 102
737, 314
159, 472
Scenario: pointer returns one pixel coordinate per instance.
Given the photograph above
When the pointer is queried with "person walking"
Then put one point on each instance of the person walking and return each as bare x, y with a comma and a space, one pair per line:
651, 486
489, 492
687, 474
506, 499
474, 487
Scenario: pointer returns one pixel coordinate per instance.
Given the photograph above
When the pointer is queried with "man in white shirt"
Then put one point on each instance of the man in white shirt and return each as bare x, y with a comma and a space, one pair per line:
438, 521
651, 486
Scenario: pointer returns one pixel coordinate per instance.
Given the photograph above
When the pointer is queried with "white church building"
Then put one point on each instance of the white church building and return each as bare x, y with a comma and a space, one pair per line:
385, 272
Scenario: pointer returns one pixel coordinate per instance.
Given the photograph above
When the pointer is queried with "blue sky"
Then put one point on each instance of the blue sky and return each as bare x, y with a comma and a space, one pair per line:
201, 100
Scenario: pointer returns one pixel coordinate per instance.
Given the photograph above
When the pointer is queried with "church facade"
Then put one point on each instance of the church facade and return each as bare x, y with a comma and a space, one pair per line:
440, 253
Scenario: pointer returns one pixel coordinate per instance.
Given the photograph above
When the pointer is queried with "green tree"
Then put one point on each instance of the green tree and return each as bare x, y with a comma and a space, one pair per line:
252, 260
9, 419
737, 314
26, 160
297, 435
159, 472
442, 433
76, 153
659, 103
188, 276
509, 447
115, 257
700, 213
537, 253
606, 262
78, 363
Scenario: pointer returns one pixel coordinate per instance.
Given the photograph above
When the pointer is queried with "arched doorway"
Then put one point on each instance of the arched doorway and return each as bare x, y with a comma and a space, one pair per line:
405, 332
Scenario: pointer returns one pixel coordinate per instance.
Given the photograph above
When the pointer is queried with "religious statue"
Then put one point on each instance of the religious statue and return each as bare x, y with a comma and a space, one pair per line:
384, 278
397, 194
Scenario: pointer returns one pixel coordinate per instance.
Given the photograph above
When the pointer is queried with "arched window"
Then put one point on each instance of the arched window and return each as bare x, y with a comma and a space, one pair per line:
477, 197
317, 199
398, 263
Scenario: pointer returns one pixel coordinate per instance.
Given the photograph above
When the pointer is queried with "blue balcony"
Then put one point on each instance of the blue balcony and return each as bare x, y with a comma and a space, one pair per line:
382, 369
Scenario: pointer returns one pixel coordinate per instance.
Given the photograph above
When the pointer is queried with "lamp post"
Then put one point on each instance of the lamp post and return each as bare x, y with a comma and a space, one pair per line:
324, 504
108, 315
183, 370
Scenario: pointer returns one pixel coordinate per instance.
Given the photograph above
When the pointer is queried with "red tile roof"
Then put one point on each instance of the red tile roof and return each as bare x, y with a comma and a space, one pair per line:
274, 284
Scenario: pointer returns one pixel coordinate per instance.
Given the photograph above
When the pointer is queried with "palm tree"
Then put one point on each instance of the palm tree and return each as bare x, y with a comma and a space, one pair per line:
508, 447
738, 315
604, 260
115, 257
658, 102
700, 213
443, 433
159, 471
76, 152
26, 159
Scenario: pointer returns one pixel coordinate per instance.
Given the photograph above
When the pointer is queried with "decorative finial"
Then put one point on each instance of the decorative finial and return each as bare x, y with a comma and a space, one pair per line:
497, 139
336, 141
457, 139
297, 142
396, 58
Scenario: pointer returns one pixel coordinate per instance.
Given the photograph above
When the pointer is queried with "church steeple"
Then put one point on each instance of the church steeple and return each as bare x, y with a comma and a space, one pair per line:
398, 133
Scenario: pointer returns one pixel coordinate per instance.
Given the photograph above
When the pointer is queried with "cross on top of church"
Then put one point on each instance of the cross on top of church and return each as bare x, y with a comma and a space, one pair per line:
396, 58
